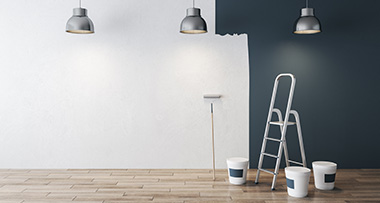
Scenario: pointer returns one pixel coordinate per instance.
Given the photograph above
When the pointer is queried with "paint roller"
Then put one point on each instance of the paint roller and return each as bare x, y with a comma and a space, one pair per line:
212, 97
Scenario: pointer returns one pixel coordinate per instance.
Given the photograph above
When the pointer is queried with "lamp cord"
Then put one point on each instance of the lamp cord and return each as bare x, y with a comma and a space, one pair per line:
193, 3
80, 3
307, 3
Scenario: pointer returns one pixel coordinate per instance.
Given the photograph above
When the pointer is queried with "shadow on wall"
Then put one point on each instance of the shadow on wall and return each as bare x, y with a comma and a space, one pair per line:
337, 74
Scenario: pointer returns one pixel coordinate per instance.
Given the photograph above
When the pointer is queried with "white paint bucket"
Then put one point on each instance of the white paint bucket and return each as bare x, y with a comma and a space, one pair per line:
324, 174
237, 170
297, 180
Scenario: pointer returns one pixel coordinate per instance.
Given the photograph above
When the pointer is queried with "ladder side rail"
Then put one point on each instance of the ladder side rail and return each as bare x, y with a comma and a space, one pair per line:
279, 115
290, 100
285, 126
300, 138
269, 118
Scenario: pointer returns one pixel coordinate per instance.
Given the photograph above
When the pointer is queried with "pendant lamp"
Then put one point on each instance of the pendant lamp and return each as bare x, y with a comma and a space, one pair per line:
307, 23
79, 23
193, 23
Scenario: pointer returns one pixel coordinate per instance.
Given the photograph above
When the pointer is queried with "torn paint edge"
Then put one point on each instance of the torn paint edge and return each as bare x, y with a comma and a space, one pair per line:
232, 35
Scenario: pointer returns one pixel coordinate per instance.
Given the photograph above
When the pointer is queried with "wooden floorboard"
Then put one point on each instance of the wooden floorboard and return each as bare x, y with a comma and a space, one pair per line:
173, 185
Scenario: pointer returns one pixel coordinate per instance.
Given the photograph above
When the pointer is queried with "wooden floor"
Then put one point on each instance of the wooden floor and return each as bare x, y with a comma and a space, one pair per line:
173, 185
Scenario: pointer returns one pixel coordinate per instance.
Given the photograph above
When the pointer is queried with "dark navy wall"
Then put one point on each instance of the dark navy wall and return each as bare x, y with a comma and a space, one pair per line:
338, 75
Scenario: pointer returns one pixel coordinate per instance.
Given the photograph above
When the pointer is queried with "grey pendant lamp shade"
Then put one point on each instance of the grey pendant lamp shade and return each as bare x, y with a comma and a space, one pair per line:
307, 23
79, 23
193, 23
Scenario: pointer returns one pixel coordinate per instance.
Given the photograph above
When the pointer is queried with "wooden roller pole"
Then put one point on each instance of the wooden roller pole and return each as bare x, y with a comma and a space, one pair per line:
213, 148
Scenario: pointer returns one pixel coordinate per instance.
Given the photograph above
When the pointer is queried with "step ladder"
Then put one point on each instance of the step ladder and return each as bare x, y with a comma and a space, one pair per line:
283, 124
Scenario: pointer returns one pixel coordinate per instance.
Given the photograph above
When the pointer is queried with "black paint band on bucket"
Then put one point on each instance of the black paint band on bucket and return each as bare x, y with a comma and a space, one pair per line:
236, 173
329, 178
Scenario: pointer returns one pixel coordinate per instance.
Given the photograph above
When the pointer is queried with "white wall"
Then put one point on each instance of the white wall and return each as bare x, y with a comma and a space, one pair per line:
129, 96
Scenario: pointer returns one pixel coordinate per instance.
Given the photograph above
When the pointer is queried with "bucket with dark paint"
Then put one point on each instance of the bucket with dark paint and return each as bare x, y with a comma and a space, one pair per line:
237, 170
297, 180
324, 174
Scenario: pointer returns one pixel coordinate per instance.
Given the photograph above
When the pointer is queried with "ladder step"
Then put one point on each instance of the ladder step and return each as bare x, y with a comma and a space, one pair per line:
281, 123
271, 155
276, 140
295, 162
273, 173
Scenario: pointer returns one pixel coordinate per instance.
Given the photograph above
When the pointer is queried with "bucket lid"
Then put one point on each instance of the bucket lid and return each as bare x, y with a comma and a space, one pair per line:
297, 169
324, 164
237, 160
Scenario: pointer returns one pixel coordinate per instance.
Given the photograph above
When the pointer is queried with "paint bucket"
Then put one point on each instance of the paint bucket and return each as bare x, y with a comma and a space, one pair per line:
297, 180
237, 170
324, 174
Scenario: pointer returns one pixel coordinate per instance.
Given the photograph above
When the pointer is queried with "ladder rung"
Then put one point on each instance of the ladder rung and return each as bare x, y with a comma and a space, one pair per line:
276, 140
281, 123
267, 171
271, 155
295, 162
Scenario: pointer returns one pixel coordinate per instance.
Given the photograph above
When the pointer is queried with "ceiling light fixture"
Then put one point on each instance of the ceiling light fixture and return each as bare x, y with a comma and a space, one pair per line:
307, 23
193, 23
79, 23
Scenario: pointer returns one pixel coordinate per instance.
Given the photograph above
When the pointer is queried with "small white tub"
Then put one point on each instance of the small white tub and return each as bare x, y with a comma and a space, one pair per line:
237, 170
297, 181
324, 174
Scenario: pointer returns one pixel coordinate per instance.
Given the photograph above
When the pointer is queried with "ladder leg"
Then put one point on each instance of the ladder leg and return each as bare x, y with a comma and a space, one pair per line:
273, 99
274, 182
257, 176
279, 115
284, 128
278, 162
286, 153
263, 146
300, 139
283, 136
